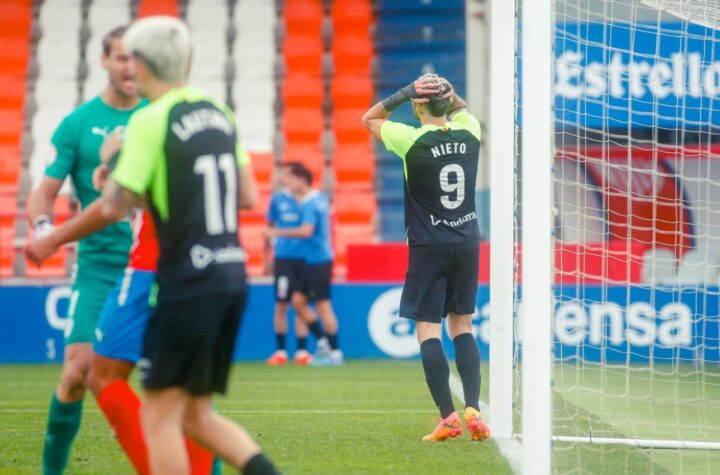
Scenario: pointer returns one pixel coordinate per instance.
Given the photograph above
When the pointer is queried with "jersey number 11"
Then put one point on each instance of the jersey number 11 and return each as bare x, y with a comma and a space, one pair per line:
210, 167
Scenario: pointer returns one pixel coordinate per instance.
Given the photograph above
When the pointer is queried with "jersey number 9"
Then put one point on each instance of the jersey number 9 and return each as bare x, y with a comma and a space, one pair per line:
457, 188
210, 166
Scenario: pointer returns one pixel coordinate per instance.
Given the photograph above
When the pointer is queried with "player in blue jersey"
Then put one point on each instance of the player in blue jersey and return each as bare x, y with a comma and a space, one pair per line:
287, 264
313, 232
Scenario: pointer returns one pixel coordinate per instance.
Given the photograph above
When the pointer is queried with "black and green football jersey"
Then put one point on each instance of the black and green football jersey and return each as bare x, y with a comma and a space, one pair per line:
182, 151
440, 173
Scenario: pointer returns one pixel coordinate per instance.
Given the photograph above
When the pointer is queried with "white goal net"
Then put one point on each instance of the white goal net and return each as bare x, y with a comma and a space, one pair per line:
636, 237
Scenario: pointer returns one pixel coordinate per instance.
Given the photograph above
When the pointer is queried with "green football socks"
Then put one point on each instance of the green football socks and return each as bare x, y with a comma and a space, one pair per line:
63, 425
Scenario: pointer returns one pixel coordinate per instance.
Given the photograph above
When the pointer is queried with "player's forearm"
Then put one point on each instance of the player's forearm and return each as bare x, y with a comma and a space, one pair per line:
374, 119
457, 104
299, 232
39, 204
90, 221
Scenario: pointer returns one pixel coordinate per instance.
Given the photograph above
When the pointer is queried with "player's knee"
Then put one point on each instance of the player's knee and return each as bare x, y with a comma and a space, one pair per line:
459, 324
197, 424
72, 383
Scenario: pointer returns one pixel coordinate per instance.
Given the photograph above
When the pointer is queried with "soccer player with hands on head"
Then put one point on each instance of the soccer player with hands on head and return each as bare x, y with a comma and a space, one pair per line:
440, 163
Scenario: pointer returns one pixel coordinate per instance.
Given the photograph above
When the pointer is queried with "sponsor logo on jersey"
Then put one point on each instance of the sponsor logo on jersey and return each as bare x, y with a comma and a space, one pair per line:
202, 256
453, 224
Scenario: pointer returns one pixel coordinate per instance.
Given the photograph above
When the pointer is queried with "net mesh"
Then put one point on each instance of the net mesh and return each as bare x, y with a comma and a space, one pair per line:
637, 236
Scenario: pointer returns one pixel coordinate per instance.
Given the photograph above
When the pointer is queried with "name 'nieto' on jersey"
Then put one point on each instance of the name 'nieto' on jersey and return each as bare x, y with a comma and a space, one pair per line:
440, 165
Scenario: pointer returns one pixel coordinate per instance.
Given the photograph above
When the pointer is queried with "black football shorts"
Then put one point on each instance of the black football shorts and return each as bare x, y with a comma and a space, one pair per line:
189, 343
441, 278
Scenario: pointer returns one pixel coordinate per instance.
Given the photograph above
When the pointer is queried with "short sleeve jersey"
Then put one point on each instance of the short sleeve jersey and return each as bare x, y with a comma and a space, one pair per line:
182, 151
77, 142
283, 213
315, 210
440, 166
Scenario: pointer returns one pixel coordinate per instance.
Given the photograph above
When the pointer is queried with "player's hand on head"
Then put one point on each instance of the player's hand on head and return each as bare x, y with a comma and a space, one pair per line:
40, 249
426, 84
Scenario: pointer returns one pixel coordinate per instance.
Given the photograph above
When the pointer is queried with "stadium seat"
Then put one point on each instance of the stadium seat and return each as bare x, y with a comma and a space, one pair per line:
7, 251
15, 18
303, 17
353, 207
256, 215
158, 7
303, 54
409, 7
346, 234
253, 242
12, 92
8, 209
263, 165
352, 16
351, 91
14, 54
348, 126
352, 53
209, 46
9, 164
310, 155
303, 125
302, 91
104, 15
353, 165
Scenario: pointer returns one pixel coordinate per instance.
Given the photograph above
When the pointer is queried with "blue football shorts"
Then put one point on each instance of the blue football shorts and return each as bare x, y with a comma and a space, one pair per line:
121, 328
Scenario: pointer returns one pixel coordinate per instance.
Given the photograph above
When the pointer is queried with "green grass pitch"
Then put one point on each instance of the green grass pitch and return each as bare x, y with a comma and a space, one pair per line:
364, 418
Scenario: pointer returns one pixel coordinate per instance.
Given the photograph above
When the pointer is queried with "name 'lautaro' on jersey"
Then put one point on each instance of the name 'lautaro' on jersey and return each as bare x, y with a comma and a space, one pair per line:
200, 120
448, 148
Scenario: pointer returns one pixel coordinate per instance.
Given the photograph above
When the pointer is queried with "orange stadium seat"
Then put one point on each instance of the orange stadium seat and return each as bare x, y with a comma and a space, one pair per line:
303, 54
348, 126
12, 91
256, 215
263, 165
352, 16
303, 16
15, 17
351, 91
352, 54
354, 165
11, 125
254, 244
158, 7
310, 155
354, 207
303, 125
9, 165
8, 209
7, 253
14, 54
302, 91
345, 234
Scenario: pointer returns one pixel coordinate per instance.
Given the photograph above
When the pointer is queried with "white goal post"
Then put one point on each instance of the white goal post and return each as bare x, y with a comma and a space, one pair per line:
604, 150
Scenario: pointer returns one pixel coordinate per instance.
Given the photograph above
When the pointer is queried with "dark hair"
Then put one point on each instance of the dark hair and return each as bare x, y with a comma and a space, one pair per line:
114, 34
438, 105
299, 170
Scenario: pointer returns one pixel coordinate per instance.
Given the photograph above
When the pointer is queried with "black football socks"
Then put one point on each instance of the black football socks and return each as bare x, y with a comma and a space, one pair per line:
437, 373
333, 341
280, 339
316, 330
467, 360
259, 465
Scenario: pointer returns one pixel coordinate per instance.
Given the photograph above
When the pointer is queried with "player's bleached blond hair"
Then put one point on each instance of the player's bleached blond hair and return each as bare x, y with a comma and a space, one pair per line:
163, 44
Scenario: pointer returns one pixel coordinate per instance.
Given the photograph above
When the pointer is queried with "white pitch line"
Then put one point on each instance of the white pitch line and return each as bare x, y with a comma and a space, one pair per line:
511, 449
258, 411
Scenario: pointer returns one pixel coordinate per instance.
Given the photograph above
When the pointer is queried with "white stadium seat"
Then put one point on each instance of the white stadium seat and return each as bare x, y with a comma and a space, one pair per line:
104, 16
